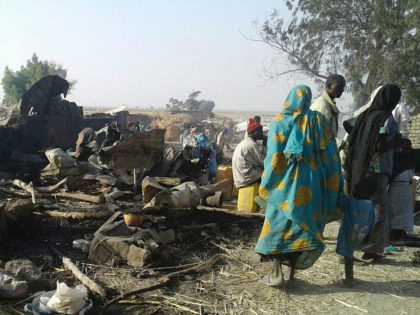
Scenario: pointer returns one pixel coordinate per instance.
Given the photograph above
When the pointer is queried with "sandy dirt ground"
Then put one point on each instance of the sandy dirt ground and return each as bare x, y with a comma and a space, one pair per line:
389, 287
231, 286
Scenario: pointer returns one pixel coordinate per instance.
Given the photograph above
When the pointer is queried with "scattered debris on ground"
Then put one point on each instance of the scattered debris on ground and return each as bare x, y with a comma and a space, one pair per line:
127, 222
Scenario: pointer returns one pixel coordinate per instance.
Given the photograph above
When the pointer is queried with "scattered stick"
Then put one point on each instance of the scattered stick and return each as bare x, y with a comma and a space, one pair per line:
26, 187
15, 311
32, 297
31, 189
196, 269
197, 227
162, 283
43, 192
51, 188
68, 264
108, 222
396, 296
134, 180
255, 215
352, 306
15, 193
176, 267
136, 302
76, 215
81, 197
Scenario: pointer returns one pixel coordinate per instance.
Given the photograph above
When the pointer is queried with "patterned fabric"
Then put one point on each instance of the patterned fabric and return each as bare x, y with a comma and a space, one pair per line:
357, 223
302, 174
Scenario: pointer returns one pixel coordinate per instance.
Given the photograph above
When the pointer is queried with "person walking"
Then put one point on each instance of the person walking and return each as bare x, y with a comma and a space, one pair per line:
302, 175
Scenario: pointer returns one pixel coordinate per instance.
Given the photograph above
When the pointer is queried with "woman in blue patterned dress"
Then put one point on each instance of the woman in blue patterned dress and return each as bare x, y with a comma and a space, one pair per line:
302, 175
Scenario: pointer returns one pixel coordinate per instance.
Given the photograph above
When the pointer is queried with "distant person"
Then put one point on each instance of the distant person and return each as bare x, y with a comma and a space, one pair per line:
255, 118
247, 160
325, 104
400, 189
401, 114
197, 141
221, 138
86, 144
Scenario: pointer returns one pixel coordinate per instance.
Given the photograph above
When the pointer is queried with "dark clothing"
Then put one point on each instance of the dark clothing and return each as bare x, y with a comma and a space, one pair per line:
402, 163
364, 133
379, 237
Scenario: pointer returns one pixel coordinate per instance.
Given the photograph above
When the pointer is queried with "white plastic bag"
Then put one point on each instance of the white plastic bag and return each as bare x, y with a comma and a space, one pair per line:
68, 300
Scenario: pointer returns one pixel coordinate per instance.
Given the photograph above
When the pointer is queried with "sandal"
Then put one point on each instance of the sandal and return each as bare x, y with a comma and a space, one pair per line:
272, 282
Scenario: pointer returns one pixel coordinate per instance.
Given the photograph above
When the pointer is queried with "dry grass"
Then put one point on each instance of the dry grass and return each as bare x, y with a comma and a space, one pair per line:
233, 288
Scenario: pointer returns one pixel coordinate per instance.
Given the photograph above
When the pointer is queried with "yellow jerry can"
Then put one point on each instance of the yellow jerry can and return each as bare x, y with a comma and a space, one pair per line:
246, 197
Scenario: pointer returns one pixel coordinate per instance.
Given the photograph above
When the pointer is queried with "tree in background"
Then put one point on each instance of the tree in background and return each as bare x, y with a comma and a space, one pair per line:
370, 42
191, 104
15, 84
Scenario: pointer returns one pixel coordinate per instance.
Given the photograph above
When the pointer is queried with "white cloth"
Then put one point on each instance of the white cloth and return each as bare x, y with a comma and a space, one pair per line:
364, 107
401, 115
247, 163
325, 105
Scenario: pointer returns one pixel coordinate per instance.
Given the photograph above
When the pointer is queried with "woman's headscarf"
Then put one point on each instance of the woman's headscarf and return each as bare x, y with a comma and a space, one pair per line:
367, 105
293, 120
363, 139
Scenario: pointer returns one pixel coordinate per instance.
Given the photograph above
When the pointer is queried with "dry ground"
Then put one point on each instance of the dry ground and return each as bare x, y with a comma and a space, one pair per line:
230, 287
392, 286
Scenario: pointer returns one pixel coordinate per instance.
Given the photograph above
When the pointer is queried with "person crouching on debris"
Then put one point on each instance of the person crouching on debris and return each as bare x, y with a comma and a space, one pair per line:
197, 141
86, 144
220, 140
302, 175
247, 160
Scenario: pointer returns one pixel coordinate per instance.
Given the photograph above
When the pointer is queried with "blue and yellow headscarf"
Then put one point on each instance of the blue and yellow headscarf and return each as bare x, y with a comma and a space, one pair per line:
302, 175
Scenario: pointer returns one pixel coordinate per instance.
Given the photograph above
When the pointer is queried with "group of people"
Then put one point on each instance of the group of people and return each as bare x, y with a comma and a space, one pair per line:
307, 181
198, 139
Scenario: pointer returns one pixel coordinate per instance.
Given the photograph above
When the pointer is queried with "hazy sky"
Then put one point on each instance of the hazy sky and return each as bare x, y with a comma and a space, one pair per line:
141, 53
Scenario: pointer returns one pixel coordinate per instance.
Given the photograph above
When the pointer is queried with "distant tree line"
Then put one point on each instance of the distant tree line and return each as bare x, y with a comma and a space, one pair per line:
191, 104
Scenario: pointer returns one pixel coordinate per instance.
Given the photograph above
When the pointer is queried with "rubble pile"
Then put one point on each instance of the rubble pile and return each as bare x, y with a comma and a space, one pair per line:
112, 171
41, 120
